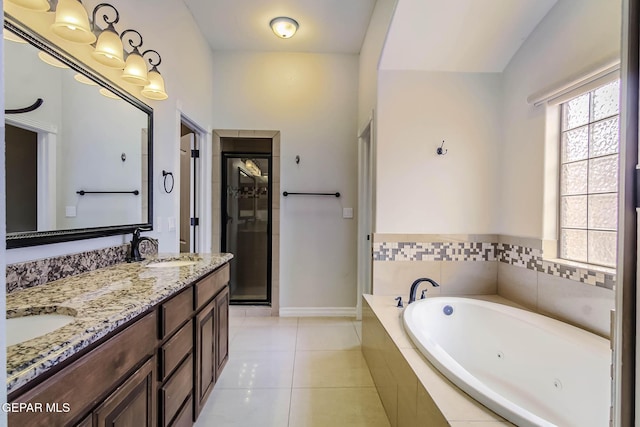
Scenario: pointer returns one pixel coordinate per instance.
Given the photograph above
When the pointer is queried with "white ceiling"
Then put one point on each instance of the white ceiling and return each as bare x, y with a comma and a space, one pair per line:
432, 35
326, 26
459, 35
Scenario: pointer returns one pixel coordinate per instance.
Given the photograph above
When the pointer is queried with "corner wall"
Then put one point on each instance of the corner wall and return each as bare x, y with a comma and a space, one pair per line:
312, 99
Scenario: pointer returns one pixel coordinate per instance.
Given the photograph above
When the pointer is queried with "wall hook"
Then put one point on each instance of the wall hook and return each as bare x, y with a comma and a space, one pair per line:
441, 151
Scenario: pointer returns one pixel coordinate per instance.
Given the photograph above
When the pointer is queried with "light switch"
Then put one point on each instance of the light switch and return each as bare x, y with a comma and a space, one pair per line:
159, 227
347, 212
70, 211
171, 221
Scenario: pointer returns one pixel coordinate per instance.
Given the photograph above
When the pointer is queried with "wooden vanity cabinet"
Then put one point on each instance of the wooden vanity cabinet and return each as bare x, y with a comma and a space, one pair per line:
158, 371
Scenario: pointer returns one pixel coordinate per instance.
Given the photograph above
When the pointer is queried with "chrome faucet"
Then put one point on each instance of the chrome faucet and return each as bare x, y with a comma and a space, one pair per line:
414, 288
134, 255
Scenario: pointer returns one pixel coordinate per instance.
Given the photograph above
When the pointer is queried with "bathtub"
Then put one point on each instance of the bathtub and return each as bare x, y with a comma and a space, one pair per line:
528, 368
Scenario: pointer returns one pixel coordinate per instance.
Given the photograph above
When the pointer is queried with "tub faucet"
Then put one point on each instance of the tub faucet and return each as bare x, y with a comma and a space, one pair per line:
135, 245
414, 288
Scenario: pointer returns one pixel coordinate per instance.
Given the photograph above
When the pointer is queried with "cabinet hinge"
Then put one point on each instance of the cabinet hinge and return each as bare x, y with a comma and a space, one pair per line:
195, 154
195, 221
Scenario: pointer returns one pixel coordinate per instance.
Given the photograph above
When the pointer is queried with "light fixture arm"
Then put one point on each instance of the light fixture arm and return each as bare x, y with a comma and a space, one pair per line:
130, 41
153, 64
105, 18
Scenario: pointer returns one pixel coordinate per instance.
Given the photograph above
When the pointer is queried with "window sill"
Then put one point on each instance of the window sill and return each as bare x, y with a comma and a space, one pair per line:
584, 265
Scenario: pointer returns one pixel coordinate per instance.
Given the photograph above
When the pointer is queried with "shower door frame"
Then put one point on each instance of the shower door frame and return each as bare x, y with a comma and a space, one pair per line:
225, 155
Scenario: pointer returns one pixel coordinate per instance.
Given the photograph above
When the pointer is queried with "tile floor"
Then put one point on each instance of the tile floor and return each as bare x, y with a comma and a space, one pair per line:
294, 372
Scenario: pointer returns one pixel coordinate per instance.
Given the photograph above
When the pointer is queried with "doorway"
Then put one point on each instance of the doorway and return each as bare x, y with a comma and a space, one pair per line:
22, 179
189, 155
246, 225
365, 214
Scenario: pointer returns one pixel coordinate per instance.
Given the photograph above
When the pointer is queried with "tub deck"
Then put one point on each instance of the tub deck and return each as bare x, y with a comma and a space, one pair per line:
412, 390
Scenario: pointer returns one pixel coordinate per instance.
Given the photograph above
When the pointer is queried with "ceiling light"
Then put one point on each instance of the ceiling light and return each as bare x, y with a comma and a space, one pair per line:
84, 79
37, 5
252, 167
72, 22
109, 49
284, 27
44, 56
135, 68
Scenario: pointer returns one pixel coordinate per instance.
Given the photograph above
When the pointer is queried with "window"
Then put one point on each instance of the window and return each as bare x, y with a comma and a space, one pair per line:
589, 176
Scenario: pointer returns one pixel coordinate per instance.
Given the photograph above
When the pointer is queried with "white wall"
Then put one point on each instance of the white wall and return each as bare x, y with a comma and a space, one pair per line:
417, 190
575, 36
312, 99
370, 57
187, 69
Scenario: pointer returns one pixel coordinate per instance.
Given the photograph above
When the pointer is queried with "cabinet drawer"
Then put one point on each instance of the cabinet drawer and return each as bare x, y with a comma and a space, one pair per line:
176, 391
174, 350
175, 312
208, 287
82, 382
185, 416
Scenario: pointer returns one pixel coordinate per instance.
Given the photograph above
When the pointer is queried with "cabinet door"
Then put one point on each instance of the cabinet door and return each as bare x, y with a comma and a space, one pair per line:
205, 354
133, 403
222, 330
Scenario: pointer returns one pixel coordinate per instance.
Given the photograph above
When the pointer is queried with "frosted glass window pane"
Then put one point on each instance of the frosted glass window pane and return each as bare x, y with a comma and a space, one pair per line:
603, 174
574, 212
575, 145
606, 101
573, 245
604, 137
576, 112
574, 178
603, 211
602, 248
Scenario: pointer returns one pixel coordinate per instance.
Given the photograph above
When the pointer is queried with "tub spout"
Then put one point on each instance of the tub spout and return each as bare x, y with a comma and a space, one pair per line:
414, 288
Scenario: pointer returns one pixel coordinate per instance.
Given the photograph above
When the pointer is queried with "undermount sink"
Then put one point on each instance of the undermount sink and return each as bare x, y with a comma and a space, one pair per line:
21, 329
172, 263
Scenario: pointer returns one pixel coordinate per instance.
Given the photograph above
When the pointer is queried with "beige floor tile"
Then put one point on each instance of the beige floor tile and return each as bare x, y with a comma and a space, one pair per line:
327, 337
264, 338
331, 369
236, 321
336, 321
350, 407
246, 408
258, 369
271, 321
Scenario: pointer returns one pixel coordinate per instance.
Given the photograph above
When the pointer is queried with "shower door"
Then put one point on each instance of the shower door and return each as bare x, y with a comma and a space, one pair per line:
246, 225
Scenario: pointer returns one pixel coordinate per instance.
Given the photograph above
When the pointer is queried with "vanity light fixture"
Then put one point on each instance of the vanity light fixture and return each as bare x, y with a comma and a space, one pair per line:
155, 88
45, 57
84, 79
135, 67
8, 35
284, 27
108, 93
37, 5
72, 22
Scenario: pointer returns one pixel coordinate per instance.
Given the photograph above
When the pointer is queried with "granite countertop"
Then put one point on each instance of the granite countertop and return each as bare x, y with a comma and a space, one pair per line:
101, 301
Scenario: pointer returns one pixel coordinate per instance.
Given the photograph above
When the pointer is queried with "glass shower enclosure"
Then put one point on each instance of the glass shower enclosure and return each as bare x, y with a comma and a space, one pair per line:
246, 225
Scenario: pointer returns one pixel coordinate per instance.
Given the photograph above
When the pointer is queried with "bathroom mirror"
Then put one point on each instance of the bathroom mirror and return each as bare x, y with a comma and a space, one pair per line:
78, 162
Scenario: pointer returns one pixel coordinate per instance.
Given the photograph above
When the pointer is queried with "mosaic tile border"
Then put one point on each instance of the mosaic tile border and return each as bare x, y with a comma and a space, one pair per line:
434, 251
28, 274
516, 255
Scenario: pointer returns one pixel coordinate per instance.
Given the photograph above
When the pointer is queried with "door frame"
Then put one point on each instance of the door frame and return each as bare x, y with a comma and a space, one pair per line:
366, 211
201, 186
223, 223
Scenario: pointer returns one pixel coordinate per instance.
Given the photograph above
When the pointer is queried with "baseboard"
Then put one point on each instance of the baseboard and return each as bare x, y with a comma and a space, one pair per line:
317, 312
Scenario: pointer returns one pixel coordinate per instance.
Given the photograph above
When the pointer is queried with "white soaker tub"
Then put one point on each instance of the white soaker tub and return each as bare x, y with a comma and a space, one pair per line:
528, 368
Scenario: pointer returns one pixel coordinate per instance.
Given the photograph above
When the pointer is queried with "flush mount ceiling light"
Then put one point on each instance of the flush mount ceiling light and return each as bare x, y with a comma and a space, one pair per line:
284, 27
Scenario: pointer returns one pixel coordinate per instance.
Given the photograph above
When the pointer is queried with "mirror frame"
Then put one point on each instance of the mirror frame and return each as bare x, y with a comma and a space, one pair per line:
34, 238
